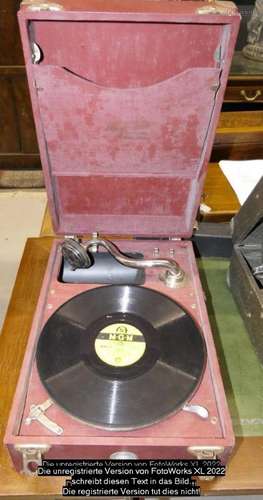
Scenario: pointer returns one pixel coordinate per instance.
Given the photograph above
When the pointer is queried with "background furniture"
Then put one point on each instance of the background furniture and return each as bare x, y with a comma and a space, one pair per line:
245, 83
18, 144
239, 136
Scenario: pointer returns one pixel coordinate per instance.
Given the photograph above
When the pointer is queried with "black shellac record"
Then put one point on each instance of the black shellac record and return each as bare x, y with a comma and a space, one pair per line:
121, 357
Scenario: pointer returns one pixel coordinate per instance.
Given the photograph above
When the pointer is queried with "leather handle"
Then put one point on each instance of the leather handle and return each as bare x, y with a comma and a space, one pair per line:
252, 98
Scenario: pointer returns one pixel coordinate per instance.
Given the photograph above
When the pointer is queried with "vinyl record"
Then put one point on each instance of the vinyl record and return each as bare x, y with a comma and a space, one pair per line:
121, 357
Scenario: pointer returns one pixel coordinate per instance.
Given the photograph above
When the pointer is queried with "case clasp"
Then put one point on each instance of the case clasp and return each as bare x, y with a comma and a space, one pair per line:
205, 453
31, 457
223, 7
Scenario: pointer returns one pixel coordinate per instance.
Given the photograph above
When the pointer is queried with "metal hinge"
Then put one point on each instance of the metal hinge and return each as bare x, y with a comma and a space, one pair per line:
36, 54
223, 7
31, 457
218, 54
38, 5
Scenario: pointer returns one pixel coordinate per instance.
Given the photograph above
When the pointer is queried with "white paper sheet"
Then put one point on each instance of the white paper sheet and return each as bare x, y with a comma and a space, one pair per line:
242, 175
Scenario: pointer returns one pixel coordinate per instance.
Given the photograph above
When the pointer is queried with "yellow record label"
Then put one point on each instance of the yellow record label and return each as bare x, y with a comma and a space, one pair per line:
120, 344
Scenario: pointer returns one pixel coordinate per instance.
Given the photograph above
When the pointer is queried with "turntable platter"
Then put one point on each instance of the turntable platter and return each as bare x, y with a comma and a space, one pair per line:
121, 357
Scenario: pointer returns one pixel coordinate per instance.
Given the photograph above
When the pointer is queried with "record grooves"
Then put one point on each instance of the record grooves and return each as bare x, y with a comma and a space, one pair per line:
121, 357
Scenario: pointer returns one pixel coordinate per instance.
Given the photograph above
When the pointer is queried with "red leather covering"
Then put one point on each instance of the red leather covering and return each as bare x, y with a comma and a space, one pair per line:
126, 100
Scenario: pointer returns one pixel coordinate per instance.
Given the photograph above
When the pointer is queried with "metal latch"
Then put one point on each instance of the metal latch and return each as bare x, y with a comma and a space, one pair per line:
206, 453
31, 457
37, 413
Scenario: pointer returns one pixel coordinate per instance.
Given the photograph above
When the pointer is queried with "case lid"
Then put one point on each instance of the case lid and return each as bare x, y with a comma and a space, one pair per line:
248, 223
126, 95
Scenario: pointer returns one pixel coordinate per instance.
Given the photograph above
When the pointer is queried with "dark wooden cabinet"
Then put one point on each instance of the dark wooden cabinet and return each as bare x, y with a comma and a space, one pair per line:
18, 144
244, 90
245, 83
239, 136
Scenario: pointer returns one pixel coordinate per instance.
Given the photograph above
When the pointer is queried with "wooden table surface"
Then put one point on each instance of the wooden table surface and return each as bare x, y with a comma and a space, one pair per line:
245, 471
219, 196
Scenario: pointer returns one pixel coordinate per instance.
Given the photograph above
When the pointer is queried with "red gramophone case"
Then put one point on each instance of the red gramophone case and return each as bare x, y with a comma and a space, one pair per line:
126, 97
